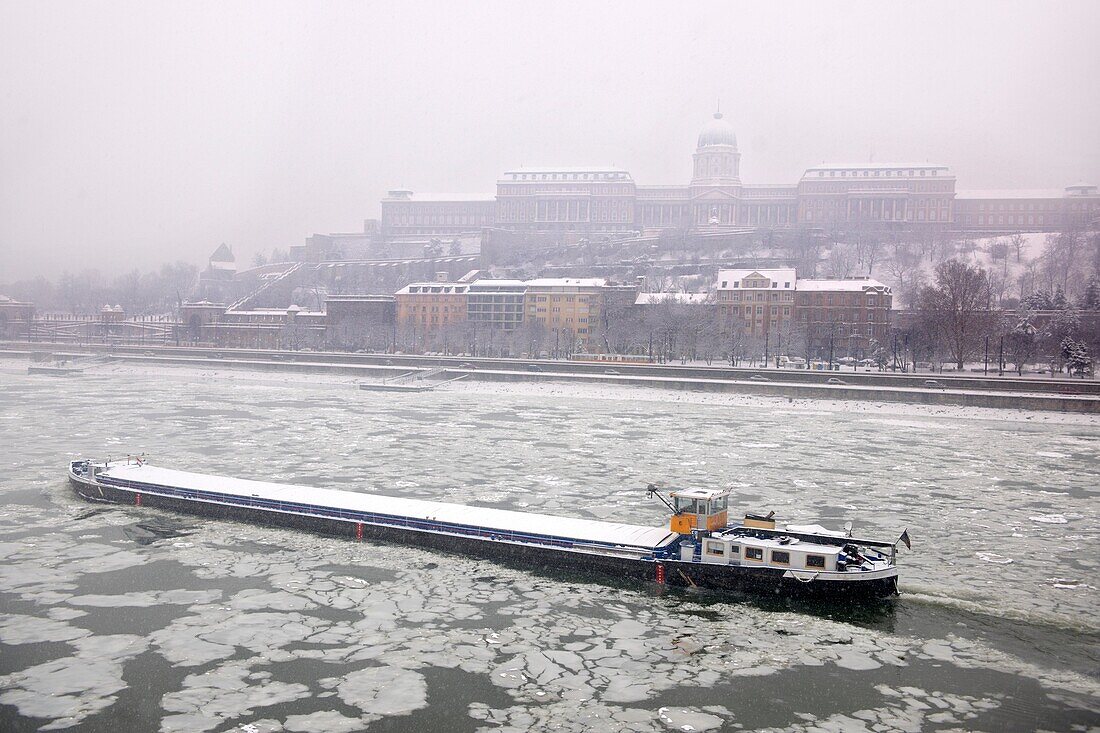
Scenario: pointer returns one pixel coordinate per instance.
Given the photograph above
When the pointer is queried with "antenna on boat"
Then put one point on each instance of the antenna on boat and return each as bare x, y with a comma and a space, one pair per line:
651, 490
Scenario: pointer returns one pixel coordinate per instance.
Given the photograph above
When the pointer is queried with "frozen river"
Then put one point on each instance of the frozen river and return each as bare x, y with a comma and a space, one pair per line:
118, 618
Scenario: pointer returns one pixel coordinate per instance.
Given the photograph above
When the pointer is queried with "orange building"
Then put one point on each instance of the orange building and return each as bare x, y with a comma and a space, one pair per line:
431, 306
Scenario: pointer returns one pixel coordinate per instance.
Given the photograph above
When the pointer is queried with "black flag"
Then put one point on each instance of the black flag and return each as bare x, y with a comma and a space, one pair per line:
905, 538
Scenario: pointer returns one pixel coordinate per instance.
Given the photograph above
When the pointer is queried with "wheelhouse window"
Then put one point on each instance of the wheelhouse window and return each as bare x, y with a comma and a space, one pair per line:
754, 553
780, 557
815, 561
715, 548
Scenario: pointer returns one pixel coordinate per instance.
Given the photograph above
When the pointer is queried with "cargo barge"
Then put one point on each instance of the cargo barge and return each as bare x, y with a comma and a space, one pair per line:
698, 548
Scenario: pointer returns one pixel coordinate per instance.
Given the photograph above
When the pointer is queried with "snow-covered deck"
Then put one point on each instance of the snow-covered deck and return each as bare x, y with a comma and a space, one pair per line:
579, 530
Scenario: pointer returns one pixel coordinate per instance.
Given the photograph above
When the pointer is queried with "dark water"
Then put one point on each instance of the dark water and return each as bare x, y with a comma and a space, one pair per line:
127, 619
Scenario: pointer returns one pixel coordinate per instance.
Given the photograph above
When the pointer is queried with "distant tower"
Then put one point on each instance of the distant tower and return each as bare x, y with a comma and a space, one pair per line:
717, 162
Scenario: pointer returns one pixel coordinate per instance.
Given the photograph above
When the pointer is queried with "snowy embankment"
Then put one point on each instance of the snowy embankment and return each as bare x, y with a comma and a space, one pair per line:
570, 390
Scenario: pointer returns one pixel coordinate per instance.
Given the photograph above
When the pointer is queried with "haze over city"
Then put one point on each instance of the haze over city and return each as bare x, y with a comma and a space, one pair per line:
133, 134
557, 367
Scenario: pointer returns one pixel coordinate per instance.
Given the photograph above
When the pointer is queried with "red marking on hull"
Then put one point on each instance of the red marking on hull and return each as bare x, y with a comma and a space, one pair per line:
661, 574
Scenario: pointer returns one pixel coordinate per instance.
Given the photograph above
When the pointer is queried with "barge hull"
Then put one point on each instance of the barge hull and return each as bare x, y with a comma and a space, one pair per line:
531, 557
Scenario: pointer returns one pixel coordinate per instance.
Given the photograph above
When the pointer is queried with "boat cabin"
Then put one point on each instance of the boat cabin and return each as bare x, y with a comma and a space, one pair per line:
699, 509
773, 551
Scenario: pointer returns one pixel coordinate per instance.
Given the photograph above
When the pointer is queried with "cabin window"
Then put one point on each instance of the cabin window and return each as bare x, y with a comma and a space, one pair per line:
735, 549
715, 548
781, 558
754, 553
815, 561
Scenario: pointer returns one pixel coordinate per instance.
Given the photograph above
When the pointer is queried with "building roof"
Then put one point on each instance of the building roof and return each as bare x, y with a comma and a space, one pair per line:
566, 169
780, 275
915, 167
717, 132
222, 254
444, 198
435, 287
677, 298
561, 173
491, 284
363, 298
848, 285
1022, 193
567, 282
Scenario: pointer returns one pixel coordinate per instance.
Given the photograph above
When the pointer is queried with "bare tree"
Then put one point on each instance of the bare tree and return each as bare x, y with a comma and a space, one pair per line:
842, 260
956, 307
1018, 242
904, 266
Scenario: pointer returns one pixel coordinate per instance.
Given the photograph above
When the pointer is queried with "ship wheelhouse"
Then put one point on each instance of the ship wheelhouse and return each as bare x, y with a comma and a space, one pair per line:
699, 510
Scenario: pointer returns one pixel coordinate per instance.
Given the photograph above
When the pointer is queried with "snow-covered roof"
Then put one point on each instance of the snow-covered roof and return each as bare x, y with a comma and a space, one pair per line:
899, 169
567, 282
491, 284
566, 169
678, 298
444, 198
1021, 193
780, 275
699, 493
434, 287
583, 530
850, 285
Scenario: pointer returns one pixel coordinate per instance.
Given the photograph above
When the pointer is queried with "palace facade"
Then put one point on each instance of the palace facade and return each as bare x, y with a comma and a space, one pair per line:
585, 201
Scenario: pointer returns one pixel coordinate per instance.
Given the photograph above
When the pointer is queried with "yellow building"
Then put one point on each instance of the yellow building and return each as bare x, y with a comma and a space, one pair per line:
566, 306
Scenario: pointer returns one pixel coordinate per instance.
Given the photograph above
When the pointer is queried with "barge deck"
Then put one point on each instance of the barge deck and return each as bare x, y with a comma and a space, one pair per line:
697, 549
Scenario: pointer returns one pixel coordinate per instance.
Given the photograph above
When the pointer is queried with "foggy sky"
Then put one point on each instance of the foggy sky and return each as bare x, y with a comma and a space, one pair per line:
133, 133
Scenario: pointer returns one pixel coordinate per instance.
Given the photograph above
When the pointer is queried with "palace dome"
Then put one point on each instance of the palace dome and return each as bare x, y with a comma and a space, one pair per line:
717, 132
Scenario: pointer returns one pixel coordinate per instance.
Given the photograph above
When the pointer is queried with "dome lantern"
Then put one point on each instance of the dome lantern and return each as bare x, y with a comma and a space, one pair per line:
717, 132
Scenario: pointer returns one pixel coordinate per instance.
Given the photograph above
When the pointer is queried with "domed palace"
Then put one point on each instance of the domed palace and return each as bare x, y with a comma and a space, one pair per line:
585, 201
